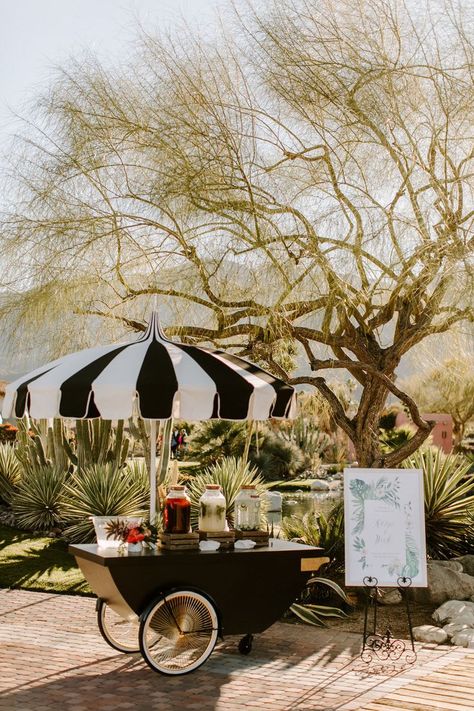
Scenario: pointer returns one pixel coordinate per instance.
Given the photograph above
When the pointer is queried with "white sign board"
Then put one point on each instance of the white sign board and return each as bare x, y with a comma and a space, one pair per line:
384, 526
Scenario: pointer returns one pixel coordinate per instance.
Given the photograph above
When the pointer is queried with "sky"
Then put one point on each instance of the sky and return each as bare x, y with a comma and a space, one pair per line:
37, 35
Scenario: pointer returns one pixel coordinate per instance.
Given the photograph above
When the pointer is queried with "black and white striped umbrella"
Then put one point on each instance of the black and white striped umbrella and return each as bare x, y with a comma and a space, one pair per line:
153, 377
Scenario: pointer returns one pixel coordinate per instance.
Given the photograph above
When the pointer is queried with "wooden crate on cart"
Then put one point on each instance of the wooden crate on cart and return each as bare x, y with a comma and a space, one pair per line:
179, 541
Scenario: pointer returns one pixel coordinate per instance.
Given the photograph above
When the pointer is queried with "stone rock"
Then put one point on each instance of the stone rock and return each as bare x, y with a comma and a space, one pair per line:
443, 584
467, 562
453, 628
391, 597
320, 485
452, 610
451, 564
466, 618
464, 638
430, 633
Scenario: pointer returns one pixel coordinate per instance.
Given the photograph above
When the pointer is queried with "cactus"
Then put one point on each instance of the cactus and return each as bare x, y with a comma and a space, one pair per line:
140, 431
31, 451
96, 443
99, 443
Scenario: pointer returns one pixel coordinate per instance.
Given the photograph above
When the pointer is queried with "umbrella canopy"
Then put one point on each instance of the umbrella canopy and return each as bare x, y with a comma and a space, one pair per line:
154, 377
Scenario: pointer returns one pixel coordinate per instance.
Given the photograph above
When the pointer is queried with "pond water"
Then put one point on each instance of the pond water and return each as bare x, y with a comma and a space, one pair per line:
298, 504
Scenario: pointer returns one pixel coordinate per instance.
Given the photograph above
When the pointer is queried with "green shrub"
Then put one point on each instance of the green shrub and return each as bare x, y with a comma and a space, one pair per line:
10, 473
37, 503
210, 441
449, 502
277, 458
315, 529
388, 418
230, 473
305, 434
391, 439
103, 490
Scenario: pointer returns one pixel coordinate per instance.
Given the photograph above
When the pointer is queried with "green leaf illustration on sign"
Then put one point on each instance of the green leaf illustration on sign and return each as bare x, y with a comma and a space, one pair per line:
386, 490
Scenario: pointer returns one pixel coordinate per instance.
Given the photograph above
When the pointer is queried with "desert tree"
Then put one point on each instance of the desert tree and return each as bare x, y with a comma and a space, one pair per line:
442, 376
297, 187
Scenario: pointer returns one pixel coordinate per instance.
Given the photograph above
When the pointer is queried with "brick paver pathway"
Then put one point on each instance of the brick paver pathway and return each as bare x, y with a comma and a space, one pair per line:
52, 658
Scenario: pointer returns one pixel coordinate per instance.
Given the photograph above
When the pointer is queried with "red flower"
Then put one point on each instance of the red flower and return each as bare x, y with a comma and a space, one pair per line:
134, 536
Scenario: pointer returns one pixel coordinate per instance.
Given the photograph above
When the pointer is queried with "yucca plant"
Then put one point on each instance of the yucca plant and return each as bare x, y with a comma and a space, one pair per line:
230, 473
103, 490
449, 501
37, 503
10, 473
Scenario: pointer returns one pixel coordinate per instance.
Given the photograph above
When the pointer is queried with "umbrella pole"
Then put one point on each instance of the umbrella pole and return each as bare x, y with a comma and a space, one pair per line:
152, 471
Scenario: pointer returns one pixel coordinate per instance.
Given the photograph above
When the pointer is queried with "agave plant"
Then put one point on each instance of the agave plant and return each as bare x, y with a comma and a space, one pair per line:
230, 473
103, 490
315, 529
37, 503
449, 501
314, 614
10, 473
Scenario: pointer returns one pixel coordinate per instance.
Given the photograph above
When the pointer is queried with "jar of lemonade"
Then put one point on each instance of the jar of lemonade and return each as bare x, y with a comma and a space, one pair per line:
212, 510
177, 513
247, 509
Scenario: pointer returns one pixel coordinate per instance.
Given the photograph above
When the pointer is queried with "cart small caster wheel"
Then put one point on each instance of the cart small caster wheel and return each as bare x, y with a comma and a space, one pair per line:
245, 644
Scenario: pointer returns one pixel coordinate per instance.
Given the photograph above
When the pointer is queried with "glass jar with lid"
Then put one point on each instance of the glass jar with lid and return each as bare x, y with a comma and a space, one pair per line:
247, 509
212, 510
177, 513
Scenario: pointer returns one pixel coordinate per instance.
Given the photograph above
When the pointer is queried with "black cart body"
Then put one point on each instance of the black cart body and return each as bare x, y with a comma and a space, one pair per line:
251, 589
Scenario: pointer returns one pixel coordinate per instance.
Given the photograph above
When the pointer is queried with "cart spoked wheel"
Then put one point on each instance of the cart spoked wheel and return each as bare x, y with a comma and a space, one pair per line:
245, 644
119, 632
178, 632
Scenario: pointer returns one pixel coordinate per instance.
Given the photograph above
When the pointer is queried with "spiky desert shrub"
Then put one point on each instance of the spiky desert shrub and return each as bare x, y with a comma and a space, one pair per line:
37, 502
103, 490
230, 473
10, 473
449, 502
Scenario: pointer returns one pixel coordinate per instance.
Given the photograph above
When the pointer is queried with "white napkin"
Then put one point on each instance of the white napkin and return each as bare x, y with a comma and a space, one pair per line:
245, 544
209, 545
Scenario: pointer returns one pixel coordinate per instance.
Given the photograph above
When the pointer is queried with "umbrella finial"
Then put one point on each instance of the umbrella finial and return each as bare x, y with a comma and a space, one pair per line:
154, 326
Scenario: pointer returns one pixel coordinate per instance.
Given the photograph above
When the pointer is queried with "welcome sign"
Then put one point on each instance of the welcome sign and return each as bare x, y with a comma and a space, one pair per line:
384, 526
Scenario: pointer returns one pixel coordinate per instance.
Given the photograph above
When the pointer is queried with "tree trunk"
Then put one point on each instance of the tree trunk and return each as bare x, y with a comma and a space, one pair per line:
366, 440
458, 432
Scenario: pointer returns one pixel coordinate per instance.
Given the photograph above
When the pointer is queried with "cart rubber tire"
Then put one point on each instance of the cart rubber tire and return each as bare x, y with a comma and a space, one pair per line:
245, 644
122, 638
179, 631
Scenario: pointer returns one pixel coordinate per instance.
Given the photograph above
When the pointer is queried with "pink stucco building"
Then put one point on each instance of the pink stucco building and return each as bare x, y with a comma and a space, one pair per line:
442, 432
